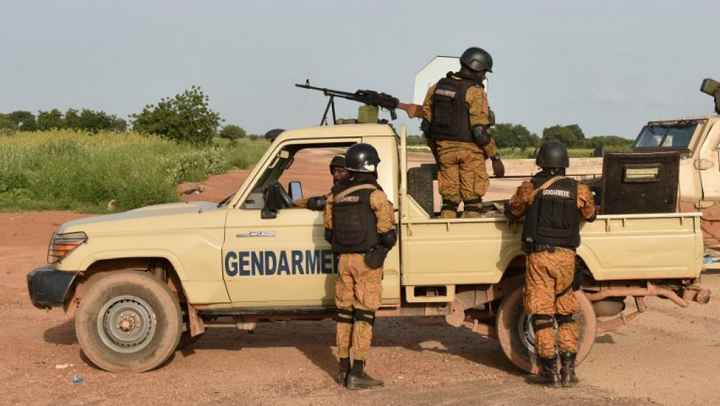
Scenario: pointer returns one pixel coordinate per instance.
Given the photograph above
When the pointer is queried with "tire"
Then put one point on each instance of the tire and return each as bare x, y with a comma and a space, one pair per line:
128, 321
518, 343
420, 186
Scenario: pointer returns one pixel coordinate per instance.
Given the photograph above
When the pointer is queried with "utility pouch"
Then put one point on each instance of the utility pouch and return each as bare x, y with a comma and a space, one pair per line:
375, 257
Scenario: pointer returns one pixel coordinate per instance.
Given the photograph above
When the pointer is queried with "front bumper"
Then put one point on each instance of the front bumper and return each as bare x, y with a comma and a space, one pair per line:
49, 287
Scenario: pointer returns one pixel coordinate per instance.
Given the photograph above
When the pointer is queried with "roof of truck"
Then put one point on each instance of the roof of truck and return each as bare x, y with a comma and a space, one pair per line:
340, 130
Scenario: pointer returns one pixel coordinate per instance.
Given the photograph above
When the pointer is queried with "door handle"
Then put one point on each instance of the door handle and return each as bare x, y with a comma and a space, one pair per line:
256, 234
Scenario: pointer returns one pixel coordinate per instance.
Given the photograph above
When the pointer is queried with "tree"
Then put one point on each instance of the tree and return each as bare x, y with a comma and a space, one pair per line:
6, 123
232, 132
24, 120
49, 120
509, 135
568, 135
72, 119
185, 117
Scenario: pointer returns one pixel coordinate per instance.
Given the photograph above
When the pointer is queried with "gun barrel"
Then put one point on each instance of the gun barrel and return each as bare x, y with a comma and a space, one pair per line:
326, 91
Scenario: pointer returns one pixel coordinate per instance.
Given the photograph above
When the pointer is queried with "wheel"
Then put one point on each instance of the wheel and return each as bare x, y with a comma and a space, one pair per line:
128, 321
517, 339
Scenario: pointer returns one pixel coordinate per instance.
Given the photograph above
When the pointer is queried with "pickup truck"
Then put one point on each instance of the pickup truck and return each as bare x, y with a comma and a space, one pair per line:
144, 282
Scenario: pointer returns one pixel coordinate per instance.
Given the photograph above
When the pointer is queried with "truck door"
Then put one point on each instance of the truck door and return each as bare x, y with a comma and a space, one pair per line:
708, 164
283, 261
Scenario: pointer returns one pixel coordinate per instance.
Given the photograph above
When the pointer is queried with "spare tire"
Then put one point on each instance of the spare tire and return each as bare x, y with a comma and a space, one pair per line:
420, 186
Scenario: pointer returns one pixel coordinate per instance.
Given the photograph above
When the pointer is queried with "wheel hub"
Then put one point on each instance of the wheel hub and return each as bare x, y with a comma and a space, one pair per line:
126, 324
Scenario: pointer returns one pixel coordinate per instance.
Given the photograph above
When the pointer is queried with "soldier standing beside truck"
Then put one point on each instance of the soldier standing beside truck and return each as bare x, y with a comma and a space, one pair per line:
553, 206
338, 172
457, 120
359, 223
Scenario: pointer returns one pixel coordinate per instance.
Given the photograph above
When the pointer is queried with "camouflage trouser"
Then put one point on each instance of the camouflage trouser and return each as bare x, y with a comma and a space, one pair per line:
358, 292
461, 177
548, 294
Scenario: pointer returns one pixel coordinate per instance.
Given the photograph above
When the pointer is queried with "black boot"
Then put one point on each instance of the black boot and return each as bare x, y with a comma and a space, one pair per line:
567, 372
549, 375
343, 369
358, 379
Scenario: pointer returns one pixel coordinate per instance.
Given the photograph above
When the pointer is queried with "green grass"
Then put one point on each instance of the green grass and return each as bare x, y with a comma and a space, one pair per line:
77, 171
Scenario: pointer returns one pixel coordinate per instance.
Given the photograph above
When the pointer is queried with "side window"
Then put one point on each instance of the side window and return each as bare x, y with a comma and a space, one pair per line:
307, 164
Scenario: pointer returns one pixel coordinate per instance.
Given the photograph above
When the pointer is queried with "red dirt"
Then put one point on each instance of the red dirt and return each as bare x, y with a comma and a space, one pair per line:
669, 356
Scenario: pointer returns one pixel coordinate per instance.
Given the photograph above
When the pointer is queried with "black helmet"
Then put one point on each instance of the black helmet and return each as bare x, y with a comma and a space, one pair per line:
552, 154
338, 161
361, 158
477, 60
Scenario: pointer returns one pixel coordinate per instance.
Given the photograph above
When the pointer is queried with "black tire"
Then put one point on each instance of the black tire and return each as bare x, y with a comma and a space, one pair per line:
518, 345
128, 321
420, 186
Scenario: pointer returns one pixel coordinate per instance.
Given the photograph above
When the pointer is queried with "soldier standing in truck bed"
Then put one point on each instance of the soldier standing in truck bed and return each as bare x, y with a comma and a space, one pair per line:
338, 172
360, 225
553, 206
457, 121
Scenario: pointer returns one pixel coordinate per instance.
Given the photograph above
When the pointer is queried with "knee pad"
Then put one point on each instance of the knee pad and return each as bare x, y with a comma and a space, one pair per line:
344, 316
367, 316
564, 318
542, 321
449, 205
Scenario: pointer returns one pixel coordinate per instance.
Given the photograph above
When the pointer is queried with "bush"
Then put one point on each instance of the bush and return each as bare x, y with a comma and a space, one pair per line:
183, 118
232, 132
69, 170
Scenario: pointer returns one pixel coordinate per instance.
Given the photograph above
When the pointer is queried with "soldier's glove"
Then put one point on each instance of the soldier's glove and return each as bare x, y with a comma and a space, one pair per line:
375, 257
498, 166
316, 203
491, 117
328, 235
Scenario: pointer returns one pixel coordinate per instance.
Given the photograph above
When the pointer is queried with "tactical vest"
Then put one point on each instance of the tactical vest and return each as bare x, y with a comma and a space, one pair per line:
450, 115
354, 221
553, 219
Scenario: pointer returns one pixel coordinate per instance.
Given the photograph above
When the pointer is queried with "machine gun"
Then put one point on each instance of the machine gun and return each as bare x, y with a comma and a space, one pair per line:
367, 97
712, 88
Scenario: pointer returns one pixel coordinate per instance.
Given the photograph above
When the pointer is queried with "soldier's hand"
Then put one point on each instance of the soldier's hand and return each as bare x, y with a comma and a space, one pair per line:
498, 167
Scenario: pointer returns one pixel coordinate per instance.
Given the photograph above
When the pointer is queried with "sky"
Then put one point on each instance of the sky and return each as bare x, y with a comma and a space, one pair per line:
608, 66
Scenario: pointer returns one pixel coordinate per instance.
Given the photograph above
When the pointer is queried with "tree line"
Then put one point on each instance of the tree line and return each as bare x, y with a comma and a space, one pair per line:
185, 117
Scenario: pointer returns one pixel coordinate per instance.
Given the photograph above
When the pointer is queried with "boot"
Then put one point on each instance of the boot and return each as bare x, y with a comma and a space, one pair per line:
358, 379
448, 214
343, 369
549, 375
567, 372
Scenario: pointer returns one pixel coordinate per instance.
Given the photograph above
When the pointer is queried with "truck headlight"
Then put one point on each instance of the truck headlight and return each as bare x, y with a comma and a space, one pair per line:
62, 245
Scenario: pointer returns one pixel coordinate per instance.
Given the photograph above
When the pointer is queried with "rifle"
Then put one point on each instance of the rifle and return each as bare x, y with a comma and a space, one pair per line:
368, 97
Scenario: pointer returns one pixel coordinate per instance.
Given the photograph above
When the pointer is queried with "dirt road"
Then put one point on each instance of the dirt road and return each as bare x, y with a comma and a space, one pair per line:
669, 356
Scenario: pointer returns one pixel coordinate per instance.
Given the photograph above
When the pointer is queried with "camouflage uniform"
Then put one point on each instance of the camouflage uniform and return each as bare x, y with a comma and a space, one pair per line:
358, 288
462, 175
549, 277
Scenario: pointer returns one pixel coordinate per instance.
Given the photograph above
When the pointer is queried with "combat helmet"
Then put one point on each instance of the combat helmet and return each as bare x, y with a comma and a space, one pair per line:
476, 60
552, 155
361, 158
338, 161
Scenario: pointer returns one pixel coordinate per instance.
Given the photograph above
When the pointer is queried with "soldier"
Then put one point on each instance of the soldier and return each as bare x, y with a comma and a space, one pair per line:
338, 172
553, 206
457, 121
359, 223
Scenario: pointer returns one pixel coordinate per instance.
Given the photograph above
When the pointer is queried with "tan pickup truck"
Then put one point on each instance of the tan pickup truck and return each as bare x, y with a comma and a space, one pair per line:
143, 282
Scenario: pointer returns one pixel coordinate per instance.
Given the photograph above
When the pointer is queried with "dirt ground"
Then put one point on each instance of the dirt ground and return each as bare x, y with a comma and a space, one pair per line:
668, 356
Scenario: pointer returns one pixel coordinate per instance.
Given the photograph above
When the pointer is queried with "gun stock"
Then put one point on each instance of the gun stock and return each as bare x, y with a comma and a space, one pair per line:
412, 110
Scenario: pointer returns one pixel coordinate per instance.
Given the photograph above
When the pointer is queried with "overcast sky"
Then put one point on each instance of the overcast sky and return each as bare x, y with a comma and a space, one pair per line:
607, 65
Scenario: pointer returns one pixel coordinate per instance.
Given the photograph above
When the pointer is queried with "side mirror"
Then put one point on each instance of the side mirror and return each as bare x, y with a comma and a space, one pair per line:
295, 188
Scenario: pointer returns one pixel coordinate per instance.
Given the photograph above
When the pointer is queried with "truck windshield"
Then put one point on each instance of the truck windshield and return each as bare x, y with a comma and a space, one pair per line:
670, 136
